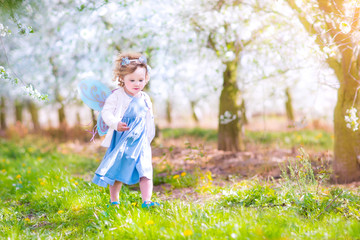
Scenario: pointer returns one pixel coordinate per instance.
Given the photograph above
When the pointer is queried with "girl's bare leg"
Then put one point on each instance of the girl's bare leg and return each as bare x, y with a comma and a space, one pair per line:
146, 188
114, 191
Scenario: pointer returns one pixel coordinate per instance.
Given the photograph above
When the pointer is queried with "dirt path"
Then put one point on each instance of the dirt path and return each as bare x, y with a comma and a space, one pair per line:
263, 163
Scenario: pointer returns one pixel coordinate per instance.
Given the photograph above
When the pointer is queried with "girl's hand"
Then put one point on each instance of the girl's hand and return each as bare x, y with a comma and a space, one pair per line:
122, 127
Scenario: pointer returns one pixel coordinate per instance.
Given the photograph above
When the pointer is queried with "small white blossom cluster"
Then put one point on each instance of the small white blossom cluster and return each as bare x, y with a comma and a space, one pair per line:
229, 56
6, 76
227, 117
34, 93
345, 27
351, 119
29, 89
4, 30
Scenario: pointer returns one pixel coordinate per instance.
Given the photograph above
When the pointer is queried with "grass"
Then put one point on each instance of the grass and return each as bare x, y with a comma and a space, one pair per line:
41, 198
205, 134
314, 139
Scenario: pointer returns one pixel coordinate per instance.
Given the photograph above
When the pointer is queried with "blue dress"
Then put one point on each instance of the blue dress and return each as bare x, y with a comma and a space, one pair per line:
128, 157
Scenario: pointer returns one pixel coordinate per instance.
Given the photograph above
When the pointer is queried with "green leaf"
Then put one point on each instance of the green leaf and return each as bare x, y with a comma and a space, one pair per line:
81, 8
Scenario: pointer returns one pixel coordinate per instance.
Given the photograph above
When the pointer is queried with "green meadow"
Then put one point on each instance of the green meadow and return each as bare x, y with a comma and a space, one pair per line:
46, 193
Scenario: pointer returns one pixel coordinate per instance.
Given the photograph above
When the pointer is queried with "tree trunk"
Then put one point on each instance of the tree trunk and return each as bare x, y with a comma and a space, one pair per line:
346, 66
62, 117
58, 97
168, 111
244, 119
34, 112
230, 128
2, 113
347, 142
93, 117
61, 110
289, 106
78, 119
194, 115
19, 111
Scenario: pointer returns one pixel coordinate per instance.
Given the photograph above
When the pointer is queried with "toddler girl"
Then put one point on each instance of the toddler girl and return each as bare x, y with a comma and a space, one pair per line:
128, 113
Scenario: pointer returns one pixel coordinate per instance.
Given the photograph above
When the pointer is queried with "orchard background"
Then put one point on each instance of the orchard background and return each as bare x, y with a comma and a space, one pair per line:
256, 106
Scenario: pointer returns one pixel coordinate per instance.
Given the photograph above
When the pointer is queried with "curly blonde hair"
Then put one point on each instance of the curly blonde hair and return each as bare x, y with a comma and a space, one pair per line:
120, 71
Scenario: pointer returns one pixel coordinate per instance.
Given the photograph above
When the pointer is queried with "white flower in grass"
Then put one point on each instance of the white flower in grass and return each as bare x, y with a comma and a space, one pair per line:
351, 119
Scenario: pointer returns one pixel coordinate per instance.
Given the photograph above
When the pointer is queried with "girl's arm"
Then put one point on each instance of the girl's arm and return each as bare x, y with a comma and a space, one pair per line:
150, 119
108, 112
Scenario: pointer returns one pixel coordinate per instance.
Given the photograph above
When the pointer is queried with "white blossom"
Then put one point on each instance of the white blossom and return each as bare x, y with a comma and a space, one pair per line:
345, 27
351, 119
27, 89
229, 56
227, 117
4, 30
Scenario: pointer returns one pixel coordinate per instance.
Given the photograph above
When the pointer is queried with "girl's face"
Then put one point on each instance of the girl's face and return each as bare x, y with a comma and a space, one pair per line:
135, 82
